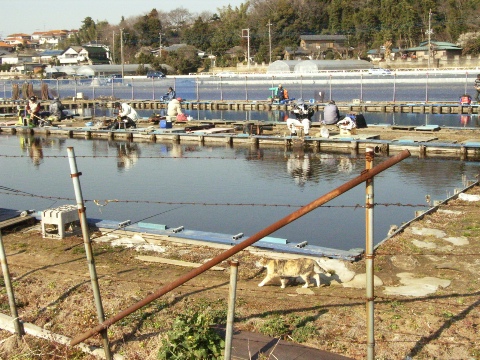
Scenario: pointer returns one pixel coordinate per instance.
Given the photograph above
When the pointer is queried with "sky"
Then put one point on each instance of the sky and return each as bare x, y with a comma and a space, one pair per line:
28, 16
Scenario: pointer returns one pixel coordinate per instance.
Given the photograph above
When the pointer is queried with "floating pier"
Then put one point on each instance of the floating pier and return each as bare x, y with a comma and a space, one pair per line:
10, 106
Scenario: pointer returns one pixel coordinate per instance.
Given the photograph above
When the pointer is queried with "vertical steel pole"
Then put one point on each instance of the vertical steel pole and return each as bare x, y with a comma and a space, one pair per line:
8, 286
369, 256
394, 85
301, 86
113, 81
198, 94
466, 82
246, 88
74, 174
153, 89
361, 87
221, 89
133, 91
330, 85
426, 89
231, 308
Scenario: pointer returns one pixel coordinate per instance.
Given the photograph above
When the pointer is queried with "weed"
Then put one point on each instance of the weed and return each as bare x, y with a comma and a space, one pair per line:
274, 327
302, 334
447, 314
192, 338
77, 250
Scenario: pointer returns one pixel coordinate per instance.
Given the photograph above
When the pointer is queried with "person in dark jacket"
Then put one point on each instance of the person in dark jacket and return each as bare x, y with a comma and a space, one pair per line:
280, 93
171, 94
56, 110
331, 114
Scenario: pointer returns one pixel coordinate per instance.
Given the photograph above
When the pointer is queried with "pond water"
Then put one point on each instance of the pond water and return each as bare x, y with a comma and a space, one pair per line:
220, 188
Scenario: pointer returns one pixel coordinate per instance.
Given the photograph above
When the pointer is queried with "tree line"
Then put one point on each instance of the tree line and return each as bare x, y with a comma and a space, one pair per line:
274, 25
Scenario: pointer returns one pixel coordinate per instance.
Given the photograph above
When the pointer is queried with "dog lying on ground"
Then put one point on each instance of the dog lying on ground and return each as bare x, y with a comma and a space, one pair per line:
285, 269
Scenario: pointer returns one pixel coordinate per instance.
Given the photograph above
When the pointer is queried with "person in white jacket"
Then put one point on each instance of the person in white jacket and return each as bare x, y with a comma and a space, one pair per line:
174, 108
127, 115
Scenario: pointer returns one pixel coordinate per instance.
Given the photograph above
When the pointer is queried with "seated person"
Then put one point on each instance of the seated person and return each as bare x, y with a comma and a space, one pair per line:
127, 115
56, 110
174, 108
280, 93
171, 94
33, 110
331, 114
292, 124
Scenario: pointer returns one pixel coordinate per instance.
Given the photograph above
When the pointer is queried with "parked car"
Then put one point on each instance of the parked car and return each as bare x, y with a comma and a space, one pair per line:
379, 71
57, 75
155, 74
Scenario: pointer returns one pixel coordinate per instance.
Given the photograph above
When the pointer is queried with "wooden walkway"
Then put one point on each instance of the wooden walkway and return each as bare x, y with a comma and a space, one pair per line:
10, 106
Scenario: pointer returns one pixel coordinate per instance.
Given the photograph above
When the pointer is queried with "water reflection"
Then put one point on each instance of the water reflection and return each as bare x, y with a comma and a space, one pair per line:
298, 166
128, 154
226, 189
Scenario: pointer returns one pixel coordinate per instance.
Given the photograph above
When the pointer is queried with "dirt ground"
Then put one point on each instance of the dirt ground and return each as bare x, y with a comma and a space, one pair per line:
53, 291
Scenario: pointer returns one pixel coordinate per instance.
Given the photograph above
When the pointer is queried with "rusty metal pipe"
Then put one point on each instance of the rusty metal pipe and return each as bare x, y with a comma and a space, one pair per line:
365, 175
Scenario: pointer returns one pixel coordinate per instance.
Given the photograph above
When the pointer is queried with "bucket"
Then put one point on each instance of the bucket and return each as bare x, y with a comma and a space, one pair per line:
164, 124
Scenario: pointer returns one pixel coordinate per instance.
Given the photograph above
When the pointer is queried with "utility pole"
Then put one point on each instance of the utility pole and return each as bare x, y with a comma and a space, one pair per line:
429, 36
113, 48
160, 48
270, 41
246, 33
121, 51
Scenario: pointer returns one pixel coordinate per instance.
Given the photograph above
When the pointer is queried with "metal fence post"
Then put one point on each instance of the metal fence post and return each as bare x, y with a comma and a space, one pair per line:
74, 174
8, 286
394, 85
133, 90
369, 255
426, 88
198, 94
361, 87
246, 89
330, 85
232, 295
153, 88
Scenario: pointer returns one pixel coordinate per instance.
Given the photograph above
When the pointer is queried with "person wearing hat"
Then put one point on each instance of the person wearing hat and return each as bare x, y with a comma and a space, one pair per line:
280, 93
33, 110
331, 114
174, 108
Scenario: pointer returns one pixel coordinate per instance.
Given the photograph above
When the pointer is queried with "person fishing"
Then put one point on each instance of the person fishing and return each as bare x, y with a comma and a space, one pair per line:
33, 110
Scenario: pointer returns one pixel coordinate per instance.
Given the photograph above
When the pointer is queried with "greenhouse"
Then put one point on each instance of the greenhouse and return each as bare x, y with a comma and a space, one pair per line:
282, 66
314, 66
